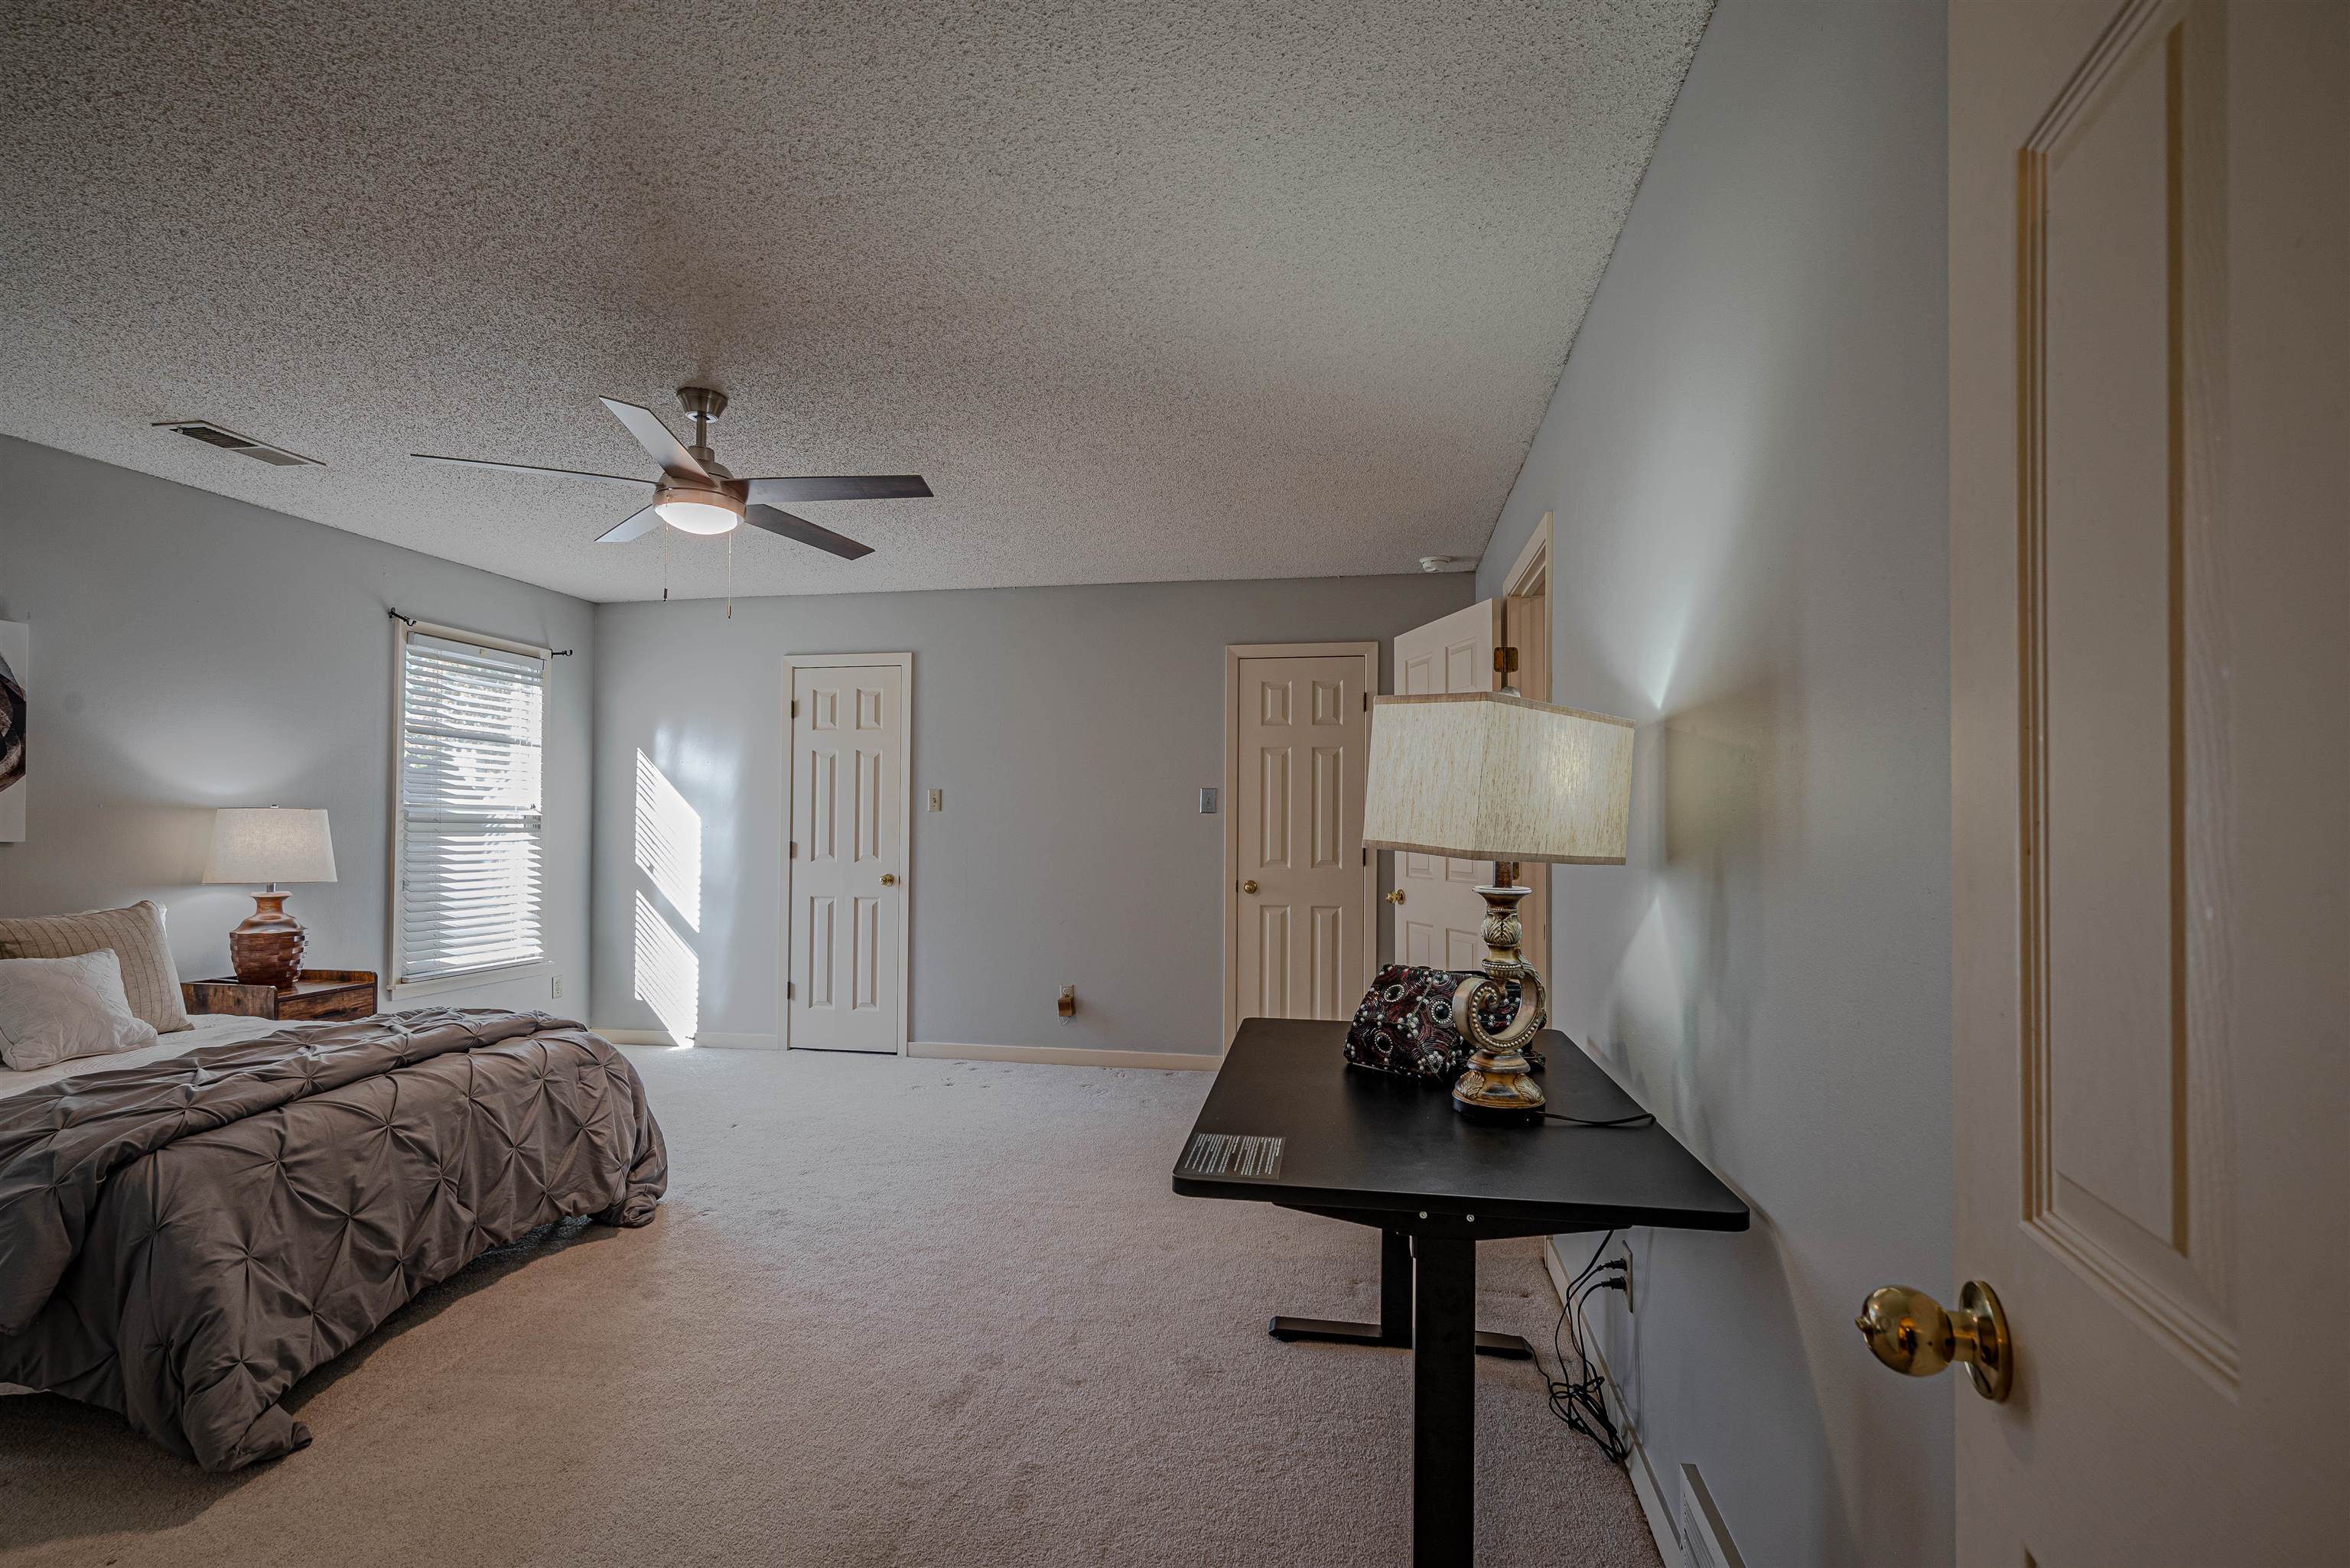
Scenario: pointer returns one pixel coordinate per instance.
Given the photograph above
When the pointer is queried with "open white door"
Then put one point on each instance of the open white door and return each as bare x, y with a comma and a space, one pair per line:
2150, 410
1438, 913
1526, 627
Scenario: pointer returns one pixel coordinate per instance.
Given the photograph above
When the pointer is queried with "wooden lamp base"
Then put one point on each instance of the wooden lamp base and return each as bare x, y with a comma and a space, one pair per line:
268, 949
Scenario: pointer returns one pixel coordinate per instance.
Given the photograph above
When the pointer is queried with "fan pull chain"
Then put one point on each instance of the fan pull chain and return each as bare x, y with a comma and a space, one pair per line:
730, 574
664, 563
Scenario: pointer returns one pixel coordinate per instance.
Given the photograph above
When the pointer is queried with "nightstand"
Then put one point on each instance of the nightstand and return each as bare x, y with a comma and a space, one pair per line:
321, 995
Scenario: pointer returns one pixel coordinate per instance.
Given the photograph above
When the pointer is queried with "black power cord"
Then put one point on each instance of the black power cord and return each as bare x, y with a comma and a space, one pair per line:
1578, 1396
1637, 1119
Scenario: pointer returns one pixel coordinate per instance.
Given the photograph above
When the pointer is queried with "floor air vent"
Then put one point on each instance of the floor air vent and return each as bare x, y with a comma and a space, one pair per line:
1705, 1541
212, 434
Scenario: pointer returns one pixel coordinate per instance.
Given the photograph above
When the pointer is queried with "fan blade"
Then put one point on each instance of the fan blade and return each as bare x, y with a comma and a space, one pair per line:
806, 532
841, 487
654, 437
531, 468
635, 527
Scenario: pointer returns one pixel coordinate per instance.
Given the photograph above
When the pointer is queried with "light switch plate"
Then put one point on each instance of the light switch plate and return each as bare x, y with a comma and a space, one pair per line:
938, 800
1207, 802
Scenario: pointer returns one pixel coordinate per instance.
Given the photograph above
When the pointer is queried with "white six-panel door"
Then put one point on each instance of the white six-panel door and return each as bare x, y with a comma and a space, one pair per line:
1301, 929
1438, 919
2149, 410
846, 887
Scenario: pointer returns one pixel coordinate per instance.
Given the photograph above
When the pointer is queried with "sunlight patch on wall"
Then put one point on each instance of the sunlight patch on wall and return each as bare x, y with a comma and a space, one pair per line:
668, 975
669, 842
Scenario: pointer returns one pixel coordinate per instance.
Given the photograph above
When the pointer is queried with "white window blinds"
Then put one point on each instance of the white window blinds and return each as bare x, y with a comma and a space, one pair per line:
468, 872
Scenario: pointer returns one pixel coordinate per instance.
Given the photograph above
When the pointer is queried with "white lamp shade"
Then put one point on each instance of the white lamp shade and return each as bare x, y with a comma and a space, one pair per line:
270, 844
1484, 776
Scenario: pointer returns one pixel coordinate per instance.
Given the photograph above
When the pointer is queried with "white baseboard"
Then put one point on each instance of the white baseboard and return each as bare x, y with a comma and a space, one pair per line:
1068, 1056
707, 1041
1644, 1477
637, 1036
1050, 1055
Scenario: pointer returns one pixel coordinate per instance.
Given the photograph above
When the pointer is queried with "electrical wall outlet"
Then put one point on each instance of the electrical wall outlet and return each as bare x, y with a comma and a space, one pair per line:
1629, 1305
1068, 1002
554, 986
938, 800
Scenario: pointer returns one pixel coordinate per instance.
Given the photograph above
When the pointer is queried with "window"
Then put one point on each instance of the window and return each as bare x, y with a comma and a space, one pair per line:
466, 853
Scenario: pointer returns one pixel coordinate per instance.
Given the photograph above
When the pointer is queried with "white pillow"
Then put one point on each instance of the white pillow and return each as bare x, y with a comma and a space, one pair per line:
55, 1008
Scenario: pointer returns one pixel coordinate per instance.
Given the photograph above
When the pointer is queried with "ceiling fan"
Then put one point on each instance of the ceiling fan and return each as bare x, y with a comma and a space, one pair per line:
696, 494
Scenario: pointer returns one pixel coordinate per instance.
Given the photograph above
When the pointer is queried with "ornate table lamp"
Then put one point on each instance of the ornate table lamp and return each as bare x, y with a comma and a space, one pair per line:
1490, 775
269, 844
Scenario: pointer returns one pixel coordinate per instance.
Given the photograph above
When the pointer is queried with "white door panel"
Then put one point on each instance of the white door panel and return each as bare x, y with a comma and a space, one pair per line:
1301, 931
2148, 396
847, 759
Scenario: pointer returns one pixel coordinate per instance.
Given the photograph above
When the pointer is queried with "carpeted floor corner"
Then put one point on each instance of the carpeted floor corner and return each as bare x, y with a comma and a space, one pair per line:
894, 1311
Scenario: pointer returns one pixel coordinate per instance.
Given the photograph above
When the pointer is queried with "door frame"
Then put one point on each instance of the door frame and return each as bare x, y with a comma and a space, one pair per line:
904, 664
1369, 652
1533, 562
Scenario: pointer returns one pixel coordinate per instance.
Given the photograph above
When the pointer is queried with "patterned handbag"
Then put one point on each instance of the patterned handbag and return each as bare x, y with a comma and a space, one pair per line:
1405, 1023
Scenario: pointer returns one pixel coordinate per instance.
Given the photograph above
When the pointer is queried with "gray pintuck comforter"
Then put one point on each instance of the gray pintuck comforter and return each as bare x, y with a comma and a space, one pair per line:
182, 1240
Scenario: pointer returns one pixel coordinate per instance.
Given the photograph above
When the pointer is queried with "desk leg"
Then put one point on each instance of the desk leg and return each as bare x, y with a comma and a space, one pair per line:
1394, 1327
1443, 1403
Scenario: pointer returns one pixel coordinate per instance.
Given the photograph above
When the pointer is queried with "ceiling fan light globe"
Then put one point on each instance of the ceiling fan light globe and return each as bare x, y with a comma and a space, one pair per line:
694, 515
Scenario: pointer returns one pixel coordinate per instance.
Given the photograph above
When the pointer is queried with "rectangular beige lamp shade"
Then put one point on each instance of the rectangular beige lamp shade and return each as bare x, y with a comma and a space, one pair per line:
270, 844
1481, 775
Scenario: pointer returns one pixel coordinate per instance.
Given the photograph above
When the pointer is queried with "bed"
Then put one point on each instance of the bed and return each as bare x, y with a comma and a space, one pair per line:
188, 1229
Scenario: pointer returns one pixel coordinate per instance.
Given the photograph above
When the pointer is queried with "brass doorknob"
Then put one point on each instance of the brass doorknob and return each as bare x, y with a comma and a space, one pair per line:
1909, 1332
889, 878
1396, 896
1249, 887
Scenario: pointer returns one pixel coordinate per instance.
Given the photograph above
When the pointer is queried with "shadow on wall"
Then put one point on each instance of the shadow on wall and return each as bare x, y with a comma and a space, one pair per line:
667, 974
1690, 967
1711, 780
1723, 783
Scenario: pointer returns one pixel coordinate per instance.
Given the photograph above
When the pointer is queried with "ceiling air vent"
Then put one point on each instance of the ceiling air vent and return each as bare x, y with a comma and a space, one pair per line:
212, 434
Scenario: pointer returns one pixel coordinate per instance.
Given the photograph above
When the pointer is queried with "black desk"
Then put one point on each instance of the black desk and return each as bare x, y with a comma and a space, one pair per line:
1391, 1153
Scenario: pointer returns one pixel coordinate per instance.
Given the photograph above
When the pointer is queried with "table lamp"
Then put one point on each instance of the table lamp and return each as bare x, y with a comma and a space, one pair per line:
1490, 775
269, 844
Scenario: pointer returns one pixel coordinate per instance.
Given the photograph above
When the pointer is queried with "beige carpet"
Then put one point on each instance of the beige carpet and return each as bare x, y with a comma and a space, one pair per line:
893, 1311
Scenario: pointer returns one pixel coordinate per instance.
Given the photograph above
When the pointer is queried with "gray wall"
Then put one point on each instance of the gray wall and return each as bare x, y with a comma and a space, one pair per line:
1746, 460
191, 651
1071, 730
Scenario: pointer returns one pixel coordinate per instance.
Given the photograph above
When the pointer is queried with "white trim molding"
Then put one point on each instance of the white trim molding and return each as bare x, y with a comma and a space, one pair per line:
706, 1042
1046, 1056
1068, 1056
638, 1036
467, 979
1644, 1477
1533, 559
904, 664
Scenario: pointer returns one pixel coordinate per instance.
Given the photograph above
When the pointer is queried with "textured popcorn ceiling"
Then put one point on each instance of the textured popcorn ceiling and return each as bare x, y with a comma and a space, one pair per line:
1148, 291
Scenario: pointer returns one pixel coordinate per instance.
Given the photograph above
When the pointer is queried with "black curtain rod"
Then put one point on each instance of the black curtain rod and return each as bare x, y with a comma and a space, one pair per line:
411, 622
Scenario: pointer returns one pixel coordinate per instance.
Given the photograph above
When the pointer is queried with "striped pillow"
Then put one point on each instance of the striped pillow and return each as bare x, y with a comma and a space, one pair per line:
149, 978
